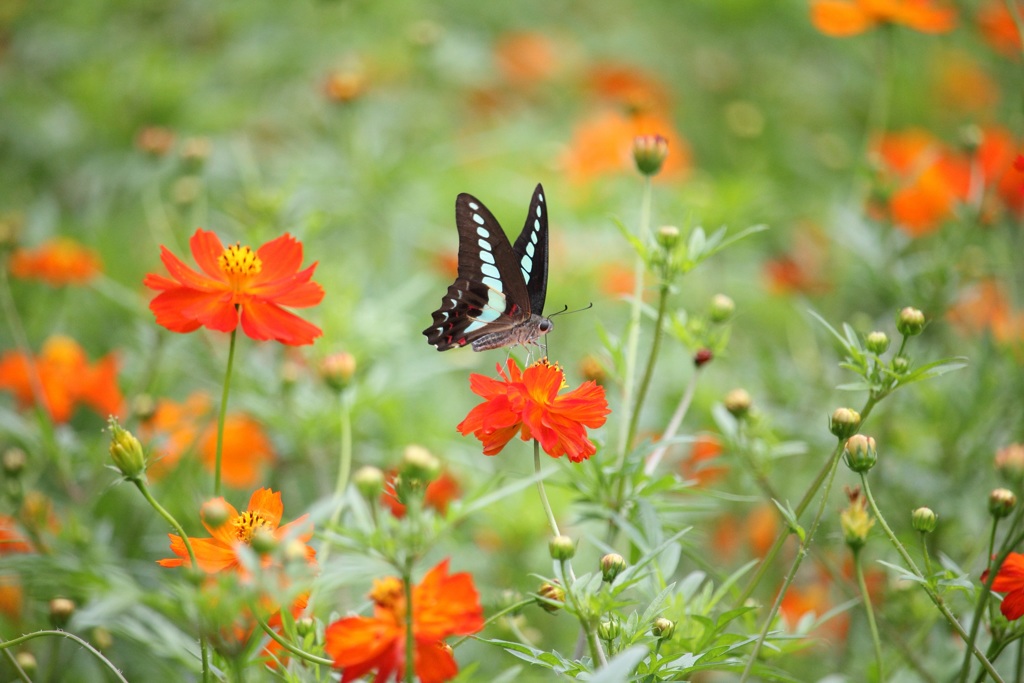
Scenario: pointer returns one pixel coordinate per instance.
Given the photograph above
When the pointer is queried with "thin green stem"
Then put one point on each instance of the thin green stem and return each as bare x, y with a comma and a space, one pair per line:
929, 591
223, 412
870, 611
924, 553
71, 636
633, 328
13, 661
543, 494
979, 608
286, 644
673, 424
645, 382
804, 545
593, 642
344, 467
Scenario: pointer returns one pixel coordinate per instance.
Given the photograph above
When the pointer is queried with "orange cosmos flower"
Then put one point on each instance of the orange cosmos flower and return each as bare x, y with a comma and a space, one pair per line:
985, 305
238, 285
842, 18
245, 450
998, 27
65, 377
1010, 580
628, 86
527, 58
172, 430
527, 402
438, 495
220, 553
442, 605
603, 144
60, 261
704, 465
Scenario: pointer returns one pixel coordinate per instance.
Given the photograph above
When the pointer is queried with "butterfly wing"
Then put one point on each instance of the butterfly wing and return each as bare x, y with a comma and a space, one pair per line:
489, 295
531, 251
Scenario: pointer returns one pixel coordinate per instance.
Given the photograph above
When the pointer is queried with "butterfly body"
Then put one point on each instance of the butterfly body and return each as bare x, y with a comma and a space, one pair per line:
498, 297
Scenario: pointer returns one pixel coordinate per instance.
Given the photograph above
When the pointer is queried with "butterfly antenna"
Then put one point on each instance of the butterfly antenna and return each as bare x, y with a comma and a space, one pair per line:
565, 310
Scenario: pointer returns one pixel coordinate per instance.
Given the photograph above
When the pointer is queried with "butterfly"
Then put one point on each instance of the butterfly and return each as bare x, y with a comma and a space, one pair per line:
498, 296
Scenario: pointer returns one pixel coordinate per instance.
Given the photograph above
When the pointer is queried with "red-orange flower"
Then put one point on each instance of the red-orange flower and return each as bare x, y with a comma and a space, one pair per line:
985, 305
245, 450
438, 495
998, 27
60, 261
1010, 580
220, 553
527, 402
704, 465
65, 378
442, 605
173, 429
841, 18
238, 285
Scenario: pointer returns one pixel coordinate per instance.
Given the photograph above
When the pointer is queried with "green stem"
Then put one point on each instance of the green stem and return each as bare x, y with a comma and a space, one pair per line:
673, 425
932, 595
410, 637
283, 642
344, 468
925, 555
645, 383
64, 634
497, 615
870, 611
804, 545
593, 642
13, 661
633, 327
223, 412
979, 608
540, 490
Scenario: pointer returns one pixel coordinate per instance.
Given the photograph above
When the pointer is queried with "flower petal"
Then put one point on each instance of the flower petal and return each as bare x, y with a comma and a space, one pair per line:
206, 249
262, 320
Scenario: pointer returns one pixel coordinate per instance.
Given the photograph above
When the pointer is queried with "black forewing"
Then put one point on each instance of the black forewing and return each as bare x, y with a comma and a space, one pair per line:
489, 294
531, 250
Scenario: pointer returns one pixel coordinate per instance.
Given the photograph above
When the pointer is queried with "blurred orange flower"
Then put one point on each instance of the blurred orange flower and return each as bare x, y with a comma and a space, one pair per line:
603, 144
11, 539
155, 140
527, 402
172, 430
245, 450
998, 27
701, 465
802, 269
963, 86
1010, 580
526, 58
842, 18
237, 285
220, 553
438, 495
344, 85
628, 87
65, 378
986, 306
998, 158
814, 598
927, 180
443, 605
59, 261
11, 596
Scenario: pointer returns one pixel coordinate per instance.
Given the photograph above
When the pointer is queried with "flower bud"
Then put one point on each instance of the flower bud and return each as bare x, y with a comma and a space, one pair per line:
143, 407
910, 322
860, 453
877, 342
592, 369
126, 451
855, 520
215, 512
418, 465
844, 422
561, 548
722, 308
668, 236
305, 626
295, 552
27, 661
737, 402
337, 370
195, 151
14, 460
61, 610
612, 565
900, 364
649, 152
263, 541
703, 357
663, 628
369, 481
1001, 502
102, 638
1010, 462
551, 592
155, 140
609, 629
924, 520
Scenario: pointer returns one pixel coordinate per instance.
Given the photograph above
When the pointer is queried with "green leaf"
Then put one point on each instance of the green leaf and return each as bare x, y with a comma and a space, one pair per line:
622, 666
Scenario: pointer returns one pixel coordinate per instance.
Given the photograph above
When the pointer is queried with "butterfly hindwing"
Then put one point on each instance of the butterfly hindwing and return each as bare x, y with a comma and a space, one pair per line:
531, 250
490, 294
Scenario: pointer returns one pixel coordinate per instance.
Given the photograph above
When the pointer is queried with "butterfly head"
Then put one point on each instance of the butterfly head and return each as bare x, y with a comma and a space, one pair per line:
545, 325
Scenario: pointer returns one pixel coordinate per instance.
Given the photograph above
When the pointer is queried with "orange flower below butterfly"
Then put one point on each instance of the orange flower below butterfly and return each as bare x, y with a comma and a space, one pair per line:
60, 261
220, 553
238, 285
842, 18
1010, 580
65, 378
443, 605
527, 402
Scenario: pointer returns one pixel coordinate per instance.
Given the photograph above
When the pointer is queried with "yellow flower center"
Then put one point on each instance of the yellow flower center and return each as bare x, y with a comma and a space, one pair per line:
389, 593
238, 260
248, 523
